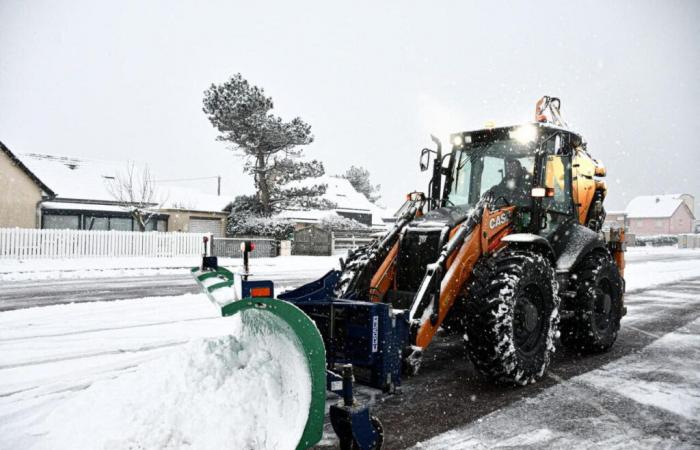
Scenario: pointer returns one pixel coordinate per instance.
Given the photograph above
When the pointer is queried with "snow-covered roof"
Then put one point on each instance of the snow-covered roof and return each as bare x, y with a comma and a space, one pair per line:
18, 162
86, 179
654, 206
342, 194
73, 178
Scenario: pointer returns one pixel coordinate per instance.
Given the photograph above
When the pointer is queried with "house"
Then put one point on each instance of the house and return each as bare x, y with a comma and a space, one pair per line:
615, 219
21, 191
191, 211
661, 214
348, 203
58, 192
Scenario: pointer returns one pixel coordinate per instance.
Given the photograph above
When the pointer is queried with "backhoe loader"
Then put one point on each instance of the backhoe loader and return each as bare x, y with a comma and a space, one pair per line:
505, 248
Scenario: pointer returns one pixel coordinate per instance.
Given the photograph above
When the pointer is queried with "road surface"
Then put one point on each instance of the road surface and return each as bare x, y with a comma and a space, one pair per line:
27, 294
448, 393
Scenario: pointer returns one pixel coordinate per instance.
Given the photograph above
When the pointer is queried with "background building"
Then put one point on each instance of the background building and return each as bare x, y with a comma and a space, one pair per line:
20, 192
348, 203
58, 192
615, 219
661, 214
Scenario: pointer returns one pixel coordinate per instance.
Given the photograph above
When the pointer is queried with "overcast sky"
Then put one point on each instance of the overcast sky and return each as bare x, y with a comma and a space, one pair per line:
124, 80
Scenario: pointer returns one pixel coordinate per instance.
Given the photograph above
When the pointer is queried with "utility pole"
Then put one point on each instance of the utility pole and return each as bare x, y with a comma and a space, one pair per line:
218, 185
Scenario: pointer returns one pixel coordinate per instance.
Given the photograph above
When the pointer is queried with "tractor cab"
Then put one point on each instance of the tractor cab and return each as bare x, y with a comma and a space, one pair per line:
527, 167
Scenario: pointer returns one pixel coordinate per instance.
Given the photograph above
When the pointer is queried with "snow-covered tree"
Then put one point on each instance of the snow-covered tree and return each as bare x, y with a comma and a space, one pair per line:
272, 227
246, 219
286, 193
135, 191
359, 178
269, 146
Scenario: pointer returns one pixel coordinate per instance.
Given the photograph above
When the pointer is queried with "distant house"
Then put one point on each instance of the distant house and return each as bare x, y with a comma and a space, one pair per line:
192, 211
661, 214
58, 192
348, 203
615, 219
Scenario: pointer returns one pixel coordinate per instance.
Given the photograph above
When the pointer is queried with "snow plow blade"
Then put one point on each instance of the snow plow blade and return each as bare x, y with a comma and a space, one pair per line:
232, 295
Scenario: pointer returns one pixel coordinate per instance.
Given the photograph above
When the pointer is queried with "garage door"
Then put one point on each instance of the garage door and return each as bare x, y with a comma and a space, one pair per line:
200, 225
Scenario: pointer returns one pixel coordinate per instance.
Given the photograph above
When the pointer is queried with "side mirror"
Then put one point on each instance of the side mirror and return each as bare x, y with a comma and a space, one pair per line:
425, 159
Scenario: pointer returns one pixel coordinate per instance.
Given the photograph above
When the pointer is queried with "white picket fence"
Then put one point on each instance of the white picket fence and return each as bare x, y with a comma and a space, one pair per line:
23, 243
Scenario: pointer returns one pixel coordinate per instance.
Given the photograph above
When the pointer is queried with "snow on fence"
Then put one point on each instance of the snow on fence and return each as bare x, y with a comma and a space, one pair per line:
24, 243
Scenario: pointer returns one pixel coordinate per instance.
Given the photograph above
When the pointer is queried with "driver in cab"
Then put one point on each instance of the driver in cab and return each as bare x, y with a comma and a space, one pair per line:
514, 188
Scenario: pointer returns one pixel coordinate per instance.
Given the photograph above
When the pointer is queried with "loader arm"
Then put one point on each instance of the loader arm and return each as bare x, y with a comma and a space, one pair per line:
359, 270
446, 279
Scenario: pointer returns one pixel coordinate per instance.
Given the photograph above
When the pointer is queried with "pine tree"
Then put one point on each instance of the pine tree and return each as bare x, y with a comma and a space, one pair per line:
359, 179
242, 114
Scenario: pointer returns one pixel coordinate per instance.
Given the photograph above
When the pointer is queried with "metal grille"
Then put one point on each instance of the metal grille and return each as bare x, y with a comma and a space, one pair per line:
312, 241
202, 225
231, 247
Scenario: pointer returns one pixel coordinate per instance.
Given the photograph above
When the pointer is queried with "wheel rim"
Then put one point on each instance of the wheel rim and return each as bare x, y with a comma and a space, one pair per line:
528, 320
603, 306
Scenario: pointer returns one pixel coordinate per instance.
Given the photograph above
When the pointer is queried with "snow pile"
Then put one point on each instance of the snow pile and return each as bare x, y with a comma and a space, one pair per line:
246, 390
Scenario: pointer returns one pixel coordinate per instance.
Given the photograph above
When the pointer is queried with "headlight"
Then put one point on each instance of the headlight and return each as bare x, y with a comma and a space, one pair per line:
524, 134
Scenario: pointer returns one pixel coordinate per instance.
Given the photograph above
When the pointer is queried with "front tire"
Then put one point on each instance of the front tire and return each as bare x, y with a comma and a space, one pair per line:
512, 316
596, 310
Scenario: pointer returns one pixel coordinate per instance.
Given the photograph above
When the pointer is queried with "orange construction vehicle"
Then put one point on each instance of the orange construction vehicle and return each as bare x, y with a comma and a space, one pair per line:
506, 249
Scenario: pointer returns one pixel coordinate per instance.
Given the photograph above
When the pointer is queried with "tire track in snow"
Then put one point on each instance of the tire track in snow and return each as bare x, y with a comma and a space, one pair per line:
94, 354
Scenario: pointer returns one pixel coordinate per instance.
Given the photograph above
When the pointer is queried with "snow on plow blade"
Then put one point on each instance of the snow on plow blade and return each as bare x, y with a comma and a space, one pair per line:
262, 314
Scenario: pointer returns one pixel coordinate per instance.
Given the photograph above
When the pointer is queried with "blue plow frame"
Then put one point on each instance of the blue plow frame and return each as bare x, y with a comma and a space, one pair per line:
370, 336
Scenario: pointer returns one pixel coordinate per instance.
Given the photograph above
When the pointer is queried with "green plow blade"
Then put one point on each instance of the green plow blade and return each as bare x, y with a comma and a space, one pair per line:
220, 287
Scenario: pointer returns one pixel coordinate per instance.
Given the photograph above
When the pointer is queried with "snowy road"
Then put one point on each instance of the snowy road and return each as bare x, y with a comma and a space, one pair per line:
646, 390
38, 289
51, 354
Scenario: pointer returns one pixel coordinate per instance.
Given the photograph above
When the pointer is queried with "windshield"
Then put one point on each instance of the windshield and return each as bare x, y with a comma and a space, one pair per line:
503, 168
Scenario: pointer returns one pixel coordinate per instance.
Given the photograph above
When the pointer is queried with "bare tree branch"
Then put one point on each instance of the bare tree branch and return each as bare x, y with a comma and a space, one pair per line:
135, 191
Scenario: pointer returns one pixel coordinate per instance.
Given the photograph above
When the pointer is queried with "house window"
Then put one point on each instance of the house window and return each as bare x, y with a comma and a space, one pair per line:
96, 223
61, 222
659, 224
120, 224
156, 225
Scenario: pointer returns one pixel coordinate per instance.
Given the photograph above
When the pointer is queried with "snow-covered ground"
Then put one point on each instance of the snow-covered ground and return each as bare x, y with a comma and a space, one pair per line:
128, 367
620, 405
68, 365
53, 269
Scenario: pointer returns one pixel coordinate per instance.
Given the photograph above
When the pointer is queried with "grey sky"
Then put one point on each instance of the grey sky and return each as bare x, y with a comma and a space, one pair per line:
124, 80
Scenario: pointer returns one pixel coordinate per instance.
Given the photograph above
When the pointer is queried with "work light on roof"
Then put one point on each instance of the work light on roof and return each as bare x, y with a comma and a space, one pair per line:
459, 140
524, 134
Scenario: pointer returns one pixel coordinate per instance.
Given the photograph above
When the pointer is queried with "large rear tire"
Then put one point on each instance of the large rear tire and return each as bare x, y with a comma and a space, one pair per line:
512, 316
597, 307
